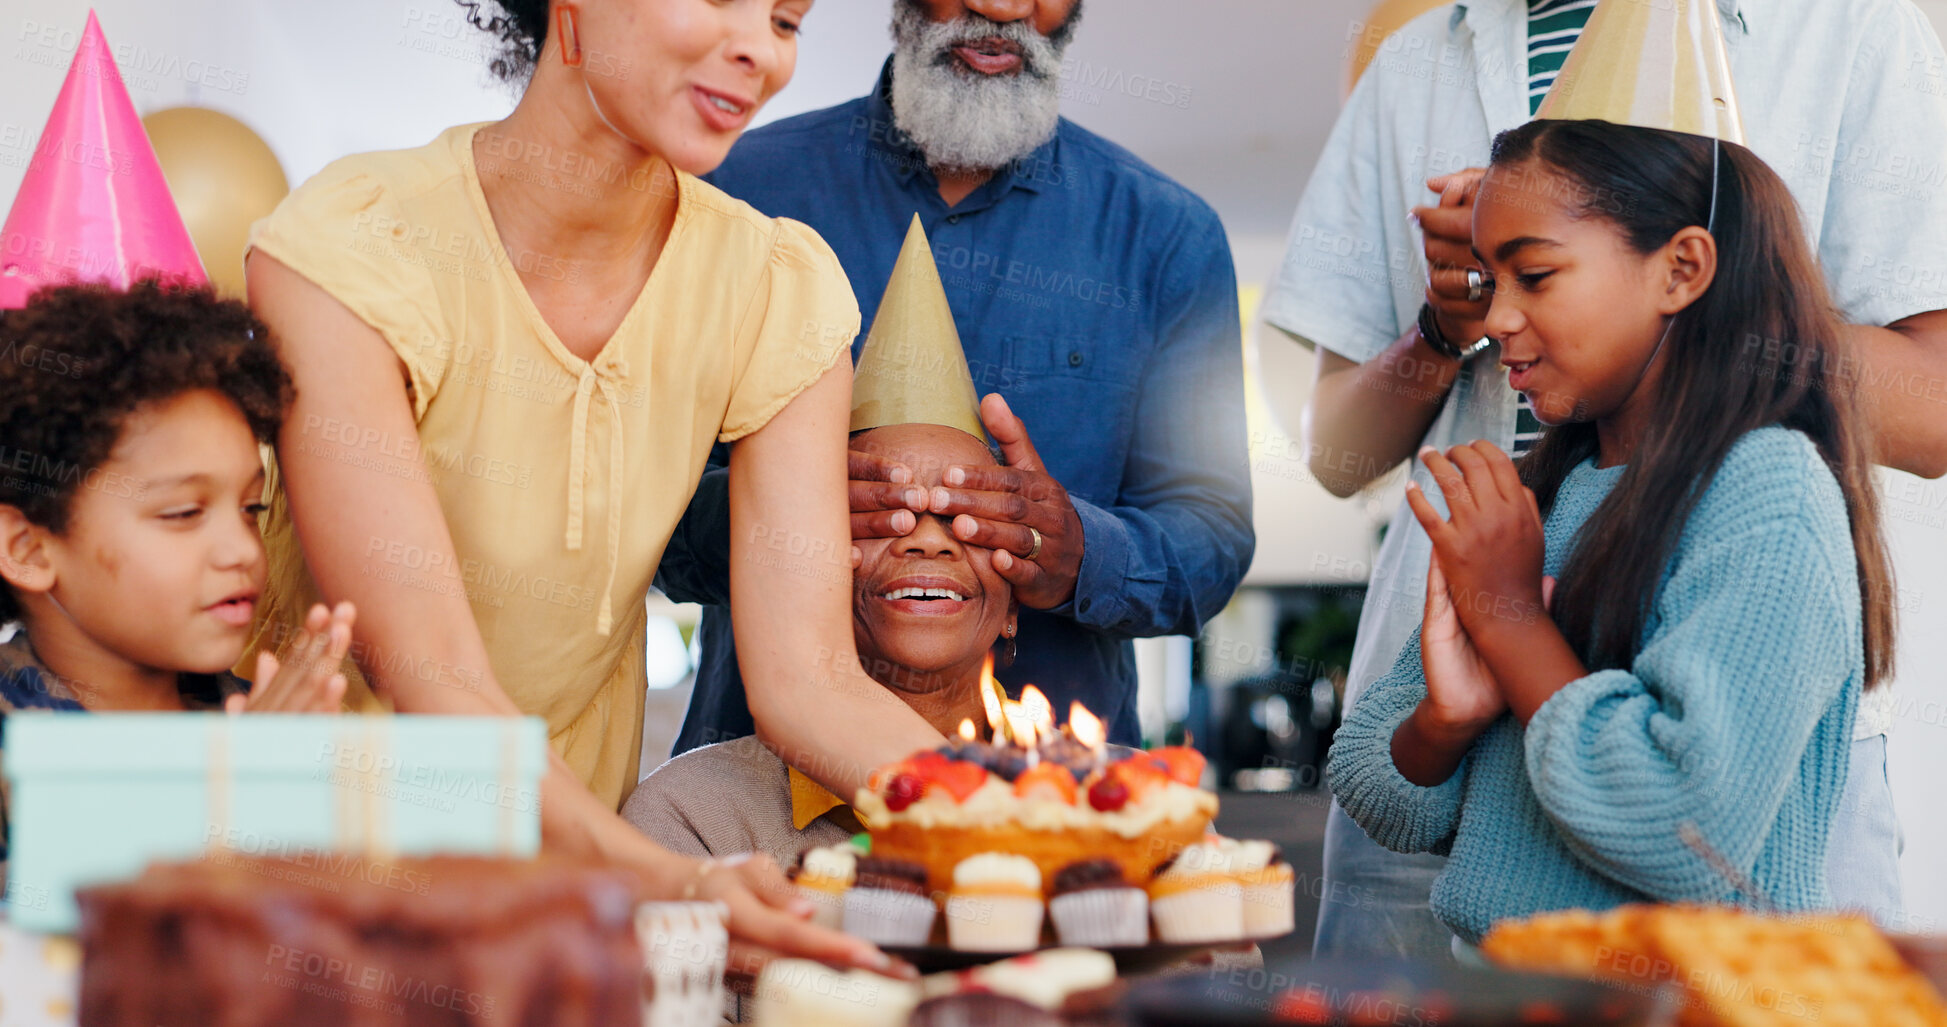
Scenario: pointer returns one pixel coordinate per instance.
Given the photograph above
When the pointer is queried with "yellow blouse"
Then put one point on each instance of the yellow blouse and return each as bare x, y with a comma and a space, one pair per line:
561, 479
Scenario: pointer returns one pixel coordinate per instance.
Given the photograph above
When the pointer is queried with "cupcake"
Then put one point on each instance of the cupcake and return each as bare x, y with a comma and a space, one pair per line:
1094, 906
1268, 883
995, 905
1197, 899
822, 876
889, 904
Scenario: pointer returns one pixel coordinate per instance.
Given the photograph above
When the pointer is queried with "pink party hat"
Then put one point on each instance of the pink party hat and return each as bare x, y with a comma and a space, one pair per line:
93, 206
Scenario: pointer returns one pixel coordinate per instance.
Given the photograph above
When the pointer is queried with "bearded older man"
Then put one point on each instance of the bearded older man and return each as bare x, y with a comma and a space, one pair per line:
1093, 295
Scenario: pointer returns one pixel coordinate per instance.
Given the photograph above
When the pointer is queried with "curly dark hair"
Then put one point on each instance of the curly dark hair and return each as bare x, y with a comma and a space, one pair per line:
78, 359
520, 25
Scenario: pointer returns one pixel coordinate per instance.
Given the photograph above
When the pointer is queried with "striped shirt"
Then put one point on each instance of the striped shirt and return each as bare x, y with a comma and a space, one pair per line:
1553, 28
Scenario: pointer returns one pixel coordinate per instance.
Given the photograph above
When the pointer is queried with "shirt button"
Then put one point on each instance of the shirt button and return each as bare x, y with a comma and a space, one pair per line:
1086, 603
1075, 358
953, 219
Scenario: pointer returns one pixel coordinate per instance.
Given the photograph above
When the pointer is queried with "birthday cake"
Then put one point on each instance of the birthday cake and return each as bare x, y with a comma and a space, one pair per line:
1056, 805
1043, 830
1056, 796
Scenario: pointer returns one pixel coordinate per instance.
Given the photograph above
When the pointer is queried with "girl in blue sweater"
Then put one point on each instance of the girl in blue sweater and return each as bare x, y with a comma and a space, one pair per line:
1660, 623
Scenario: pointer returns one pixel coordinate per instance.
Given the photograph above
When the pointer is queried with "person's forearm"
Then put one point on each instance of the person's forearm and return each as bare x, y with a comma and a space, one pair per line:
575, 823
1365, 418
1531, 661
837, 730
1427, 752
1162, 570
1900, 373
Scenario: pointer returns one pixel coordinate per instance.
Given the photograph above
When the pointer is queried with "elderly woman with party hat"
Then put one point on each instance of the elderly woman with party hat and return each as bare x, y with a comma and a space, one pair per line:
927, 608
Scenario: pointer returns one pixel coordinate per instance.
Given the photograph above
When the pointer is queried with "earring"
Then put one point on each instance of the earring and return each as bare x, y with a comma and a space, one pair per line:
1009, 652
570, 41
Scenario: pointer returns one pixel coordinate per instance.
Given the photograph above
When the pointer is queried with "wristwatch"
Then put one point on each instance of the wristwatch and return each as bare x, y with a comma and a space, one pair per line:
1438, 341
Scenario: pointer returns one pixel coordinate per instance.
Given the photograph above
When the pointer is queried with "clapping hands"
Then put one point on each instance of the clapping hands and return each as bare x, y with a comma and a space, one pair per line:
306, 678
1485, 570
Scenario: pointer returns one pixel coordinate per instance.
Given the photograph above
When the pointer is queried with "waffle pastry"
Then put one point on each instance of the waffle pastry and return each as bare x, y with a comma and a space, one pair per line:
1734, 968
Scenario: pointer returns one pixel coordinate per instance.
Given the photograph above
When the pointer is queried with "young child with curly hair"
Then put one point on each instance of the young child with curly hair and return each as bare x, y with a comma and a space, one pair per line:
130, 486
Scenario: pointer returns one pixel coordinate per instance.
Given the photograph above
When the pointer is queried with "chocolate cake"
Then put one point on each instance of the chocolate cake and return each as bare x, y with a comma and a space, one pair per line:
242, 942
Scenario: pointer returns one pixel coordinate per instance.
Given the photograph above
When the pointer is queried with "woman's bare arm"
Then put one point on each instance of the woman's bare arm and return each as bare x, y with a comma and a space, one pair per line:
791, 597
1365, 419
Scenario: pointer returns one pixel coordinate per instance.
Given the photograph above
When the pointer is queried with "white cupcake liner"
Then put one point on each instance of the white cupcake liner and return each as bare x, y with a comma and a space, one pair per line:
685, 947
1102, 917
885, 917
1209, 914
993, 923
1268, 909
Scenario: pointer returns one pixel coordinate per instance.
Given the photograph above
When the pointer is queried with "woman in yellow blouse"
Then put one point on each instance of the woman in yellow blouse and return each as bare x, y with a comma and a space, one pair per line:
513, 349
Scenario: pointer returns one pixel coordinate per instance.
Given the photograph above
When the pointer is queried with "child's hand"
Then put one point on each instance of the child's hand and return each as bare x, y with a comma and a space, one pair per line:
1461, 692
1490, 552
306, 680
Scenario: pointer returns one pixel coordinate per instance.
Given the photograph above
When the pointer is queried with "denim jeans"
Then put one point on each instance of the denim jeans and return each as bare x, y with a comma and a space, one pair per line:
1385, 911
1862, 862
1382, 912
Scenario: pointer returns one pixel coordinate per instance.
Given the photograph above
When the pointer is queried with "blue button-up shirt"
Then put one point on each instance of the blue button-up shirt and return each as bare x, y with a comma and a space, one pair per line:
1098, 297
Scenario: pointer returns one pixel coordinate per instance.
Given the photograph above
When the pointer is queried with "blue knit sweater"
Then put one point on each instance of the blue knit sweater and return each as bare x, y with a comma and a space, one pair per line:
1735, 715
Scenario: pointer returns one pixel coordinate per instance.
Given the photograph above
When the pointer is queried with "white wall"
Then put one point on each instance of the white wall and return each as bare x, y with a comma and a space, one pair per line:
1244, 93
1916, 514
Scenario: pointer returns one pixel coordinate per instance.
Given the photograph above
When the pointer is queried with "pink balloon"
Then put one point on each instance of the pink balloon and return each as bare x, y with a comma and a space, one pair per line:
93, 206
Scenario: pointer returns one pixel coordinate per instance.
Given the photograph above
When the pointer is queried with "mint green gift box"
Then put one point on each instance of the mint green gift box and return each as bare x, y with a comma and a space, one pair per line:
97, 796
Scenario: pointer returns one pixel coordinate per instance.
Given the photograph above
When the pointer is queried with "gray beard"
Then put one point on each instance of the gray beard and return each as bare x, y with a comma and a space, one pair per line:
963, 120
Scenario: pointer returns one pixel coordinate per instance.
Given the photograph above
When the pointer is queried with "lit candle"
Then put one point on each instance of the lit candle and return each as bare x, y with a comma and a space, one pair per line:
1087, 728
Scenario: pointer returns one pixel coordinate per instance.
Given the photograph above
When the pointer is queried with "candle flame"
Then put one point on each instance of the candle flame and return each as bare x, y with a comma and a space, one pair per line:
991, 698
1039, 710
967, 729
1020, 723
1085, 726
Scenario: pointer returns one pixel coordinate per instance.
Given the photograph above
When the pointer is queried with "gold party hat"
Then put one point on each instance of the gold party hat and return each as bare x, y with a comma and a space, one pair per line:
1654, 65
913, 370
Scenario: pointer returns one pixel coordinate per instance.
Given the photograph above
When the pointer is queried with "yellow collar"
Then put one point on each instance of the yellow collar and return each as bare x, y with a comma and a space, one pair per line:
810, 800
